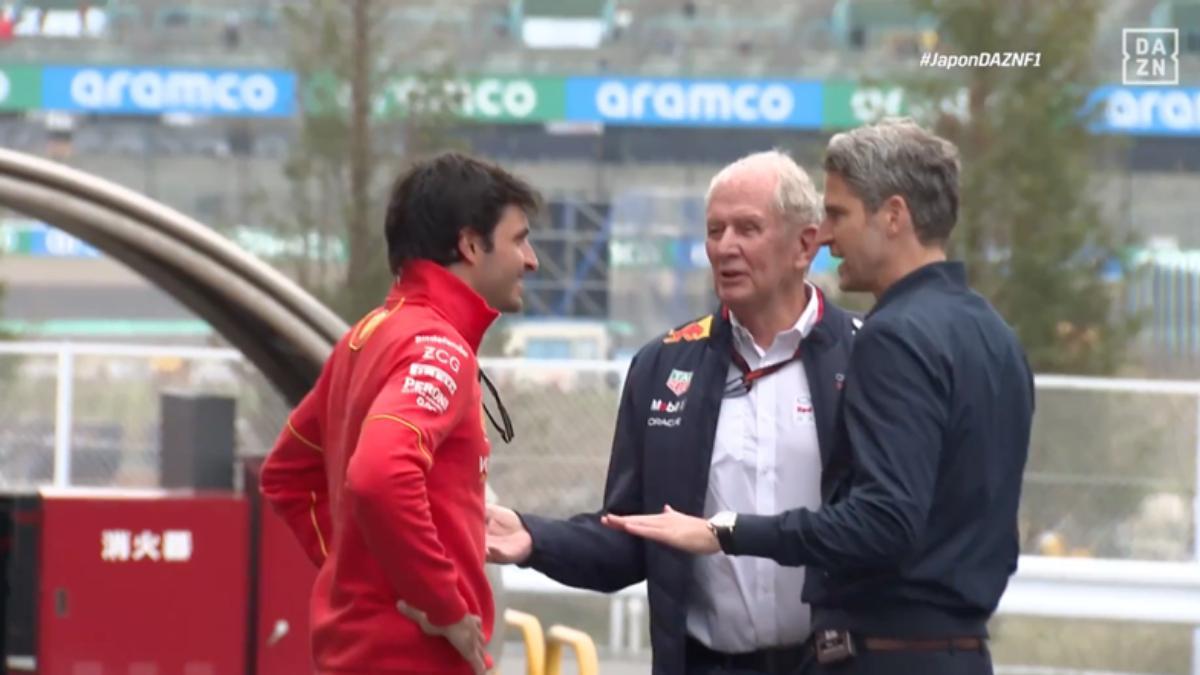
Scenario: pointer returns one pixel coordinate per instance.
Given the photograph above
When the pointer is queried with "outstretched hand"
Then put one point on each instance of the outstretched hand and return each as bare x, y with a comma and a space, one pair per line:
508, 542
672, 528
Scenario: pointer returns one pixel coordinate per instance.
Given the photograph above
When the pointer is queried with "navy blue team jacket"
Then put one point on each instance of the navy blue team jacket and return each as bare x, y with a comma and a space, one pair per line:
662, 449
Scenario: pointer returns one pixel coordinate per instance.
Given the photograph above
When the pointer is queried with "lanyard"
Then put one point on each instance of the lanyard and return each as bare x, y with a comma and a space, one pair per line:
505, 428
741, 386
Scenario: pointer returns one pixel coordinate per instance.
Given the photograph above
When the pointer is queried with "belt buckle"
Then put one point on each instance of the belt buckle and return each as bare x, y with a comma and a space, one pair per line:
833, 646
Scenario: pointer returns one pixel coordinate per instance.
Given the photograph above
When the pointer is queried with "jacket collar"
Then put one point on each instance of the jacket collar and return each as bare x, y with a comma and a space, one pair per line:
428, 283
810, 316
947, 274
823, 330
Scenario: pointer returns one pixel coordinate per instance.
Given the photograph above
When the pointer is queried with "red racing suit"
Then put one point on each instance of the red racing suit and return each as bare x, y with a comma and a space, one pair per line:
381, 473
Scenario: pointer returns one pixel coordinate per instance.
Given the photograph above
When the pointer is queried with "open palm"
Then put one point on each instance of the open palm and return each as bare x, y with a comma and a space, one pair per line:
508, 541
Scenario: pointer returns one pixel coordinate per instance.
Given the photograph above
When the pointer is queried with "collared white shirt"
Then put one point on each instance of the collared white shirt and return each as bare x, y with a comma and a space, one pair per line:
765, 460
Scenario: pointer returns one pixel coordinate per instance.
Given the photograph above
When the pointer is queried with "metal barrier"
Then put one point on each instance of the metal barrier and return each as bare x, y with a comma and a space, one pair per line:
1133, 590
278, 326
532, 636
559, 639
1120, 489
544, 652
625, 610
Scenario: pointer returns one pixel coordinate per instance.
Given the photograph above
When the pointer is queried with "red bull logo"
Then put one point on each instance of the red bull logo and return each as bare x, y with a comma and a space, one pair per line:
697, 330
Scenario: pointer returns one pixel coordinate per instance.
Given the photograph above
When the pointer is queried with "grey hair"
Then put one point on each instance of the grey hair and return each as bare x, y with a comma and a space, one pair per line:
796, 198
897, 157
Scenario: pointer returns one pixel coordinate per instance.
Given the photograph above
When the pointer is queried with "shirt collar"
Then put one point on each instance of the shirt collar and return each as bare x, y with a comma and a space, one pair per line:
444, 292
809, 318
947, 274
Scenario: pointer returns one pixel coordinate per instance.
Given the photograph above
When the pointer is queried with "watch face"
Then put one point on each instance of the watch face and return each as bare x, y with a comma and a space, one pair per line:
724, 519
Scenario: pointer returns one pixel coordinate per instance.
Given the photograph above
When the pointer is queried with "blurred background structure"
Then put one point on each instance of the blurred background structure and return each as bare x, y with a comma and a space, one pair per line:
280, 125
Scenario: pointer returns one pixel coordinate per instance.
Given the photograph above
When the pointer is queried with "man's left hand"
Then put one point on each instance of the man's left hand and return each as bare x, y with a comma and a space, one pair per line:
675, 529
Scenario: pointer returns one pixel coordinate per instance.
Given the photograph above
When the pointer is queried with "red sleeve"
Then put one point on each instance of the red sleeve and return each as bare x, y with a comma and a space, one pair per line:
417, 409
293, 476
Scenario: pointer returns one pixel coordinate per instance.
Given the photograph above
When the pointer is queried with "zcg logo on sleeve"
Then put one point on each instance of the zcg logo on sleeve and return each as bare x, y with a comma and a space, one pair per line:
439, 355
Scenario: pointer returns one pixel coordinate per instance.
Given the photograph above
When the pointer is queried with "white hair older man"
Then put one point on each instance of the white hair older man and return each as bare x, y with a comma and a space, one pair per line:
729, 413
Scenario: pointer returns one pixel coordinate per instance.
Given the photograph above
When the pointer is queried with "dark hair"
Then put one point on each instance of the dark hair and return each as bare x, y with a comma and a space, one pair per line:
438, 198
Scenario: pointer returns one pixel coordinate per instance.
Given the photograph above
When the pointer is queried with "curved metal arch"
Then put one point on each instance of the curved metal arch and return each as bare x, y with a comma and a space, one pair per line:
280, 328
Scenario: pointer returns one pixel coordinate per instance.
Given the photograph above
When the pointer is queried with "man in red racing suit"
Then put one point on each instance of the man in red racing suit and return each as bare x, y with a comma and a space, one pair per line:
381, 469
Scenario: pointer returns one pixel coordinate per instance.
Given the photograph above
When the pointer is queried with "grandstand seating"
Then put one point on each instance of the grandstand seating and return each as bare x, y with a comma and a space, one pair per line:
816, 38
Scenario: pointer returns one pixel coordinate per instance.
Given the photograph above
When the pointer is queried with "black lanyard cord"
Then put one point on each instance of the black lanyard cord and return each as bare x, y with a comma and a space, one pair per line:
506, 429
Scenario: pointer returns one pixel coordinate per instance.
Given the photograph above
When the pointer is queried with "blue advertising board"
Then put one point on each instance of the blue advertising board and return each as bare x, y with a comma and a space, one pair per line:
1147, 111
20, 237
616, 101
157, 91
695, 102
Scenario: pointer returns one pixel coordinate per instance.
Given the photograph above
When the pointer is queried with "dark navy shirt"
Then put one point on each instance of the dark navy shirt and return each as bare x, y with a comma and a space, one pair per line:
918, 534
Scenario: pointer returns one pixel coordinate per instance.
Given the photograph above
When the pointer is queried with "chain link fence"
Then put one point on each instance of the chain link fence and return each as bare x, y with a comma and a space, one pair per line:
563, 414
1111, 474
1112, 469
1112, 466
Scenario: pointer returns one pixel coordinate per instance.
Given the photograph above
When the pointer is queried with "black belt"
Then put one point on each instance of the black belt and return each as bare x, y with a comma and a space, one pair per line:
835, 646
960, 644
774, 660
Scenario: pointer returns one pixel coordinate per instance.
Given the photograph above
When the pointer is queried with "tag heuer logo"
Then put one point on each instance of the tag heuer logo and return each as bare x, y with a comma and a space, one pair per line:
679, 381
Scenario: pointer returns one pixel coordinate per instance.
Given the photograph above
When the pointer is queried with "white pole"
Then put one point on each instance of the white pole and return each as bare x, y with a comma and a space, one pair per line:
637, 607
1196, 537
62, 416
616, 623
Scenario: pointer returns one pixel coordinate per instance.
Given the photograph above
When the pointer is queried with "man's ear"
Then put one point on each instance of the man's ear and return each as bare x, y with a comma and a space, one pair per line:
896, 215
810, 244
470, 245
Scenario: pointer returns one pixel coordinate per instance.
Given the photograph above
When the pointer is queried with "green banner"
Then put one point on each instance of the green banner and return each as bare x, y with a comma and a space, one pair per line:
850, 104
479, 98
20, 87
485, 99
641, 253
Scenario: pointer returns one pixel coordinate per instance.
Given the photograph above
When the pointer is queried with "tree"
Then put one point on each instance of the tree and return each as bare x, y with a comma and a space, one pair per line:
4, 335
8, 364
1033, 240
339, 168
4, 248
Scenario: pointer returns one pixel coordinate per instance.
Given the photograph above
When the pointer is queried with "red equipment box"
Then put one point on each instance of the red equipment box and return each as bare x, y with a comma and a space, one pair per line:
141, 583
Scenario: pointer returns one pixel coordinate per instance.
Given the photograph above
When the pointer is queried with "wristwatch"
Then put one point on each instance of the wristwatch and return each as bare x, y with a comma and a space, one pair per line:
722, 526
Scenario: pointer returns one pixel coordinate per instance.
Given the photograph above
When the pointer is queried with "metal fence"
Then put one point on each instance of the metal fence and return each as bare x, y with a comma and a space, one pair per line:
1166, 296
81, 414
1111, 481
1112, 471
